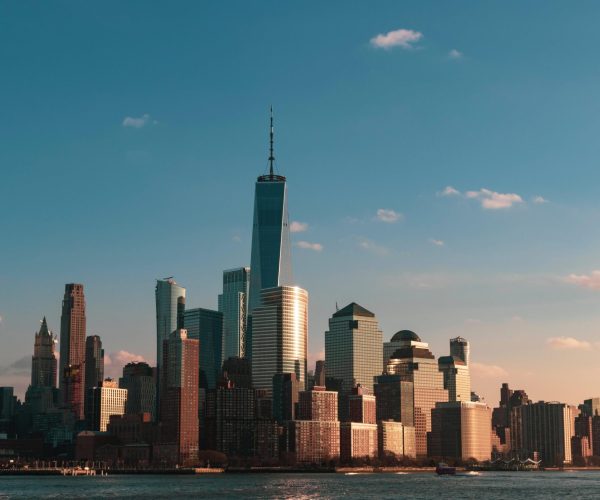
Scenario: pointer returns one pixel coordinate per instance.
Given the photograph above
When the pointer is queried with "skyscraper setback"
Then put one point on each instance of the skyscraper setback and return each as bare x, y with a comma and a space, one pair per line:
72, 349
43, 362
270, 261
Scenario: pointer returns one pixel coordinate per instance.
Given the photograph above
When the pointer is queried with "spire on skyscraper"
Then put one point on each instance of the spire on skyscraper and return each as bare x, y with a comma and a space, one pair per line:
271, 153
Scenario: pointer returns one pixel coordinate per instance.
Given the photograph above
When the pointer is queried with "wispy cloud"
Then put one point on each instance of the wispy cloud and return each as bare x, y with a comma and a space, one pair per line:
142, 121
316, 247
482, 370
397, 38
568, 343
591, 281
388, 215
21, 366
539, 200
298, 227
449, 191
455, 54
437, 243
372, 247
492, 200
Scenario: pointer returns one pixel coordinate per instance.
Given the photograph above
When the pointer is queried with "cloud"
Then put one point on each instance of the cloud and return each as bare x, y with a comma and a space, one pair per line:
373, 247
568, 343
482, 370
115, 361
449, 191
140, 122
437, 243
455, 54
317, 247
398, 38
539, 200
1, 318
491, 200
388, 215
236, 237
591, 281
298, 227
20, 367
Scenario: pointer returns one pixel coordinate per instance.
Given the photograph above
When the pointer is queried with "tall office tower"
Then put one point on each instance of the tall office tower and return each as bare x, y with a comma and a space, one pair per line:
106, 400
320, 372
394, 399
271, 261
170, 305
393, 345
179, 396
590, 407
233, 303
457, 379
315, 436
505, 394
72, 349
206, 326
238, 371
544, 428
280, 328
139, 381
362, 406
461, 430
43, 362
94, 362
286, 390
415, 363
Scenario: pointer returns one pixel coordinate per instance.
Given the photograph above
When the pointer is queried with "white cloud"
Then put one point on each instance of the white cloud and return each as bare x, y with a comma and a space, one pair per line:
437, 243
298, 227
373, 247
388, 215
585, 280
455, 54
491, 200
317, 247
398, 38
482, 370
449, 191
115, 361
539, 200
142, 121
562, 343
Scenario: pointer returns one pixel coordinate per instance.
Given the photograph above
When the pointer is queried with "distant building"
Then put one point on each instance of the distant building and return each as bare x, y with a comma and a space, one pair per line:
362, 406
72, 349
238, 370
394, 344
591, 407
457, 379
138, 379
280, 328
286, 389
544, 429
461, 430
357, 441
233, 303
105, 401
319, 373
43, 362
179, 396
414, 362
94, 369
206, 326
396, 439
395, 399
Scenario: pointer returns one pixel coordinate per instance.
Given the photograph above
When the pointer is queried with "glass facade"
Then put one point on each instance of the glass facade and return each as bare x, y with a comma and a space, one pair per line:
206, 326
233, 305
280, 328
170, 304
43, 362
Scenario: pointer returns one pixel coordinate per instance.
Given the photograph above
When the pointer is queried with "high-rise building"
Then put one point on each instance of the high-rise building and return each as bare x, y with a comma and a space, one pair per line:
170, 305
206, 326
394, 398
72, 349
358, 436
591, 407
362, 406
461, 430
271, 261
393, 345
238, 371
94, 362
457, 379
106, 400
415, 363
286, 391
179, 394
233, 303
280, 328
43, 362
138, 379
319, 372
396, 439
353, 348
542, 428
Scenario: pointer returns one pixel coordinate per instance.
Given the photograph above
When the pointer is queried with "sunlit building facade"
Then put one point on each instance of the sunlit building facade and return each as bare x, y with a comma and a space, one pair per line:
233, 303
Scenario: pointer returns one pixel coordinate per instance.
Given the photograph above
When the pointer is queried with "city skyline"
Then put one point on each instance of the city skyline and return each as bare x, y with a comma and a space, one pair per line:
434, 170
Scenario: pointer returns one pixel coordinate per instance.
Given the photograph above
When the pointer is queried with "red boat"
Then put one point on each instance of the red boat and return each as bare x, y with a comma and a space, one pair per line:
445, 469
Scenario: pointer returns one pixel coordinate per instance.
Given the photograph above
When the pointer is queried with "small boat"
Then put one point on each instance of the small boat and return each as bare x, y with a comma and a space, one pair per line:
444, 469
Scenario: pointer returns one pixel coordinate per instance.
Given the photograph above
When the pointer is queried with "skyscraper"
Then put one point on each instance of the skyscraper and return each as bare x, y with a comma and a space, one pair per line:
459, 348
94, 371
72, 349
106, 399
270, 262
139, 381
206, 326
415, 363
280, 328
43, 362
457, 379
233, 303
353, 351
179, 396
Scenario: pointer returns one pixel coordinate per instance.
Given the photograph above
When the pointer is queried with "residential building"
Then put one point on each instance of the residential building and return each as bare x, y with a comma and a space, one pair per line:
396, 439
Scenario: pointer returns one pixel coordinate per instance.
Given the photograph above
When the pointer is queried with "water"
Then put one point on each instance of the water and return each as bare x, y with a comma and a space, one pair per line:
488, 485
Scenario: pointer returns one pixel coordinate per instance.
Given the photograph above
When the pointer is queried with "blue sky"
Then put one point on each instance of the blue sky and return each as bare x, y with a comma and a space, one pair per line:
133, 133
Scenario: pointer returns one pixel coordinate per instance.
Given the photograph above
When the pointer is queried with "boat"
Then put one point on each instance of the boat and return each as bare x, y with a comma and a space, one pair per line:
443, 469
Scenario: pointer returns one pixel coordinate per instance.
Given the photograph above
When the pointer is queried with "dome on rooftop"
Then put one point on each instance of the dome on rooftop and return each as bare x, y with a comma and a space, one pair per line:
405, 335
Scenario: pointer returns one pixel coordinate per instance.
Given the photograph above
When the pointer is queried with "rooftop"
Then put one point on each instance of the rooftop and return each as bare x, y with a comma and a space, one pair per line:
353, 309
